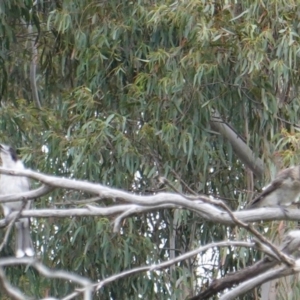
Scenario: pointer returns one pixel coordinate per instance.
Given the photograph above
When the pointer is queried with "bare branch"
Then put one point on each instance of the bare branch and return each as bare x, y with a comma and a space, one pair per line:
41, 191
196, 204
206, 207
231, 279
33, 64
258, 280
291, 243
130, 209
134, 209
238, 222
13, 292
239, 146
171, 261
87, 287
88, 211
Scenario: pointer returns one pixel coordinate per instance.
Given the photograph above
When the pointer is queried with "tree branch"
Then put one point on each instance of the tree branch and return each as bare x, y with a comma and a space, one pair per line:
32, 195
290, 244
171, 262
242, 150
202, 204
244, 287
234, 278
87, 286
206, 207
11, 291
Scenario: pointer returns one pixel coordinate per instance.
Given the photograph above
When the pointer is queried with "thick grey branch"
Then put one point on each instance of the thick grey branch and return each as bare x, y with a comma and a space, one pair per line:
106, 192
88, 211
205, 210
33, 64
159, 201
130, 209
242, 150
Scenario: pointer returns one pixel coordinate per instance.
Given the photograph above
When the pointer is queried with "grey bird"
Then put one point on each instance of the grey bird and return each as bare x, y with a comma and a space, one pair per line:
12, 185
282, 191
291, 242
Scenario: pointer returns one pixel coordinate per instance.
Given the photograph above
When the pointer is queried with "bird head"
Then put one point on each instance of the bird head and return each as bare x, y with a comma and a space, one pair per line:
8, 156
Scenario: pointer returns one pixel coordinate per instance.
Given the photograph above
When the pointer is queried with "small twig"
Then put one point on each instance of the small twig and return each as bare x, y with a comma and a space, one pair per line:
287, 122
185, 185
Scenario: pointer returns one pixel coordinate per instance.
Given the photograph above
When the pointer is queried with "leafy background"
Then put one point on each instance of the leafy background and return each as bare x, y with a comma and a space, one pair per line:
126, 91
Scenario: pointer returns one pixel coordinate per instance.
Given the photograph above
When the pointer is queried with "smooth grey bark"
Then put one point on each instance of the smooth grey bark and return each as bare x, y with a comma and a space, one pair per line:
241, 149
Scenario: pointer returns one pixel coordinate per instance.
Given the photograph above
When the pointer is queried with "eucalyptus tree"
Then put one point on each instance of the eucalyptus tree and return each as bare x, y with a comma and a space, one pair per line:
124, 92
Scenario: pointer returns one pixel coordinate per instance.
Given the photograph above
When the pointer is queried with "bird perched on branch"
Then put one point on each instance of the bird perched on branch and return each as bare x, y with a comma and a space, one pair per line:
291, 242
13, 185
282, 191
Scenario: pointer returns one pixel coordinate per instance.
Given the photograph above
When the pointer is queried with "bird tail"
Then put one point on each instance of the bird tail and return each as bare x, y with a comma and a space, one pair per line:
24, 246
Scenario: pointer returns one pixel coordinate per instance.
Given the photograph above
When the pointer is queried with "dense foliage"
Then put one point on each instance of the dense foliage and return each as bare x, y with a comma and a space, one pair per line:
126, 92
